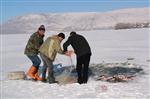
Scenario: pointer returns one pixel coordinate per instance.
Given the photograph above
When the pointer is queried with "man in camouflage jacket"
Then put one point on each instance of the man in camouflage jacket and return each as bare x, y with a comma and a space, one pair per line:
32, 50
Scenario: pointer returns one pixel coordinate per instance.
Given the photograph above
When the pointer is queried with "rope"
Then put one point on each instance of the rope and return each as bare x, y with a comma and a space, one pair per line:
72, 66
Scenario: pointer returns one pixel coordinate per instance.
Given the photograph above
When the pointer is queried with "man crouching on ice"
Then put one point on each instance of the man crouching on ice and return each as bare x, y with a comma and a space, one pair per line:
31, 51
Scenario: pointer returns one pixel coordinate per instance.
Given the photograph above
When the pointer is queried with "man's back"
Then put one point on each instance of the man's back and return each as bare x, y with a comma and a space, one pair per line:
79, 44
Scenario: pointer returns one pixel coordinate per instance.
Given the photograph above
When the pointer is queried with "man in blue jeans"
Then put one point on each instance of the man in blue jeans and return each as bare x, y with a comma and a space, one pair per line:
32, 50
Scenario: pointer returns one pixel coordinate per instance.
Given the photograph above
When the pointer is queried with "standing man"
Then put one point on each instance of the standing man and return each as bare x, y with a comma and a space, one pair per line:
83, 53
31, 51
48, 52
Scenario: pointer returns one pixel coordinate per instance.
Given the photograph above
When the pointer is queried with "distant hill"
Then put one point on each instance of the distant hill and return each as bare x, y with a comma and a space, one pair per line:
75, 21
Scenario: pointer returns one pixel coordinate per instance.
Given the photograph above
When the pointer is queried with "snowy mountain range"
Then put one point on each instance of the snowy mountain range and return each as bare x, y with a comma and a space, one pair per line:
75, 21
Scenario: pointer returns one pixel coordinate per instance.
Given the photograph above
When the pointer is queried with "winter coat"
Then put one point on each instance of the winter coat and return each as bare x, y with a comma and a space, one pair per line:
33, 45
51, 47
79, 44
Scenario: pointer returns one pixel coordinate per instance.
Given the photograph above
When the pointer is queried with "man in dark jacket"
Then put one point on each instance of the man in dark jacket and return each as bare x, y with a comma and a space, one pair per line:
83, 53
32, 50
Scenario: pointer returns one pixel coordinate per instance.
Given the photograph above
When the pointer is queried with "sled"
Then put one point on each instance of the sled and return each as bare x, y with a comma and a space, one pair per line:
16, 75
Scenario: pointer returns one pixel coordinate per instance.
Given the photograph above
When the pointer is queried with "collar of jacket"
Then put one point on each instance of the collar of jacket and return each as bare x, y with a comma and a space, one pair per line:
39, 35
55, 37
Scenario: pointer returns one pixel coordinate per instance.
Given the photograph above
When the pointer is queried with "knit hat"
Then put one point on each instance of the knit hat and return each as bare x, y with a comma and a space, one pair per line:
42, 27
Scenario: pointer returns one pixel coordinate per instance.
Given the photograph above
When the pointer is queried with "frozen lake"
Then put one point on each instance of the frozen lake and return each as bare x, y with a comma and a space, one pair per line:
107, 45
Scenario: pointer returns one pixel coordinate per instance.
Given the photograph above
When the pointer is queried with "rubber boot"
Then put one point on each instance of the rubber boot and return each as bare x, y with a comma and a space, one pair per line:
31, 72
37, 77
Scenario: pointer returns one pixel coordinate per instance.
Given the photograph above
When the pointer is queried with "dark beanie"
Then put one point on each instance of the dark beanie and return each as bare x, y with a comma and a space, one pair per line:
42, 27
62, 35
72, 33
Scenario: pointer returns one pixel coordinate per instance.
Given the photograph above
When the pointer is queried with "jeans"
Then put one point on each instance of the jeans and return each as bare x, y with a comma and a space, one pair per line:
47, 63
35, 60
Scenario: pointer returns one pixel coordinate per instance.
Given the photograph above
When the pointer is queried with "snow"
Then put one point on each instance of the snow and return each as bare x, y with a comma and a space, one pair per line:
109, 46
34, 90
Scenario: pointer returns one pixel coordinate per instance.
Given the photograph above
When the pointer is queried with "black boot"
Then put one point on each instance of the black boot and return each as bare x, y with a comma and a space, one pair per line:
44, 80
51, 82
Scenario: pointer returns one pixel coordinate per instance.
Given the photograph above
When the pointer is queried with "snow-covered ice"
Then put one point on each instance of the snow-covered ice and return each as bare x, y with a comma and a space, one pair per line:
107, 46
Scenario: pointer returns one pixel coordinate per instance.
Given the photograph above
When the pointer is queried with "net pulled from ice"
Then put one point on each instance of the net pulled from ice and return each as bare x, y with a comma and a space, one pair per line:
111, 72
116, 72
